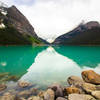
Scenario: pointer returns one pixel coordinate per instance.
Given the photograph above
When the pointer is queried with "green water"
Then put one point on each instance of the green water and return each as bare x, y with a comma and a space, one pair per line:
46, 65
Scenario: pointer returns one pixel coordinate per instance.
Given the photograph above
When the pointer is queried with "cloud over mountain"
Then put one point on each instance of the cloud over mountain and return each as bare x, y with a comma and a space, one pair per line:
52, 18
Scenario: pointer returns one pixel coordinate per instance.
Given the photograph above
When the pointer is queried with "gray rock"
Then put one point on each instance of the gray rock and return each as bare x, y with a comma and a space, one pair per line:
49, 95
34, 91
60, 98
75, 81
80, 97
57, 89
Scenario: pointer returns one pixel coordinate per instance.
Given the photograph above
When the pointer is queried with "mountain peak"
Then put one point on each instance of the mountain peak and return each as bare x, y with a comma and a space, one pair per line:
92, 24
18, 29
84, 34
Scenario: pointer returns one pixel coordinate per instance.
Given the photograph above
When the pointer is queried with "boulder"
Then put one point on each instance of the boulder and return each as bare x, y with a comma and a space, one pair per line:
96, 94
8, 96
57, 89
90, 76
23, 84
71, 90
75, 81
88, 87
60, 98
49, 95
80, 97
41, 94
2, 87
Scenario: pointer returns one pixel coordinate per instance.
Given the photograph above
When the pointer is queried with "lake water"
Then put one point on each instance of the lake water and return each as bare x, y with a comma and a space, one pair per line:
44, 65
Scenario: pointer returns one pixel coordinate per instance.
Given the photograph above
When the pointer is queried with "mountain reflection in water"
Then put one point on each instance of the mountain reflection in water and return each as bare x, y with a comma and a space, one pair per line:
46, 65
50, 66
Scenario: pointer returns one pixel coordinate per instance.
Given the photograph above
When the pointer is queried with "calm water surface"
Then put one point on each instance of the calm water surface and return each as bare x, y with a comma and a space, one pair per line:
43, 66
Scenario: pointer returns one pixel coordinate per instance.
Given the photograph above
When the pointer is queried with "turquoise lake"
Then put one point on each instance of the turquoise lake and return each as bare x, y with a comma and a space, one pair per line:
44, 65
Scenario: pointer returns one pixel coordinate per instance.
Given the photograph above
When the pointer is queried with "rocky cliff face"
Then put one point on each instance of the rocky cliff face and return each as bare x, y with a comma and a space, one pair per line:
19, 21
16, 29
84, 34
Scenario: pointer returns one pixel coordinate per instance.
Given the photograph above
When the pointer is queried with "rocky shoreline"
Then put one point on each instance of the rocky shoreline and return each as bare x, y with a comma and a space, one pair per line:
85, 88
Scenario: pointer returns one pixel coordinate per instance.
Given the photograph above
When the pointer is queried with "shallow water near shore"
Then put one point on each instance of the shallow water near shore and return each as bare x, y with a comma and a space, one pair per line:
43, 66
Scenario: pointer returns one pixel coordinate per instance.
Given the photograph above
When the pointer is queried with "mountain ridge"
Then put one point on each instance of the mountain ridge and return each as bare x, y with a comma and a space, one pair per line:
16, 29
83, 34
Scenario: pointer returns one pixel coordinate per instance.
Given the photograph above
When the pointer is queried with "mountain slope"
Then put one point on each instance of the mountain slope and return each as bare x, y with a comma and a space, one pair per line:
84, 34
15, 29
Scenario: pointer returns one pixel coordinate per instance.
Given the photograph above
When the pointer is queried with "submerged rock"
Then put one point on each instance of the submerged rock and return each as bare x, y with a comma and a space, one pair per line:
25, 93
60, 98
23, 84
8, 96
3, 75
90, 76
2, 87
80, 97
79, 90
57, 89
35, 98
21, 98
34, 91
10, 78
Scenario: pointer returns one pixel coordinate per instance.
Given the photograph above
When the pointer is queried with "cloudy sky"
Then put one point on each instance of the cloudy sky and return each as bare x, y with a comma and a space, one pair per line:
51, 18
